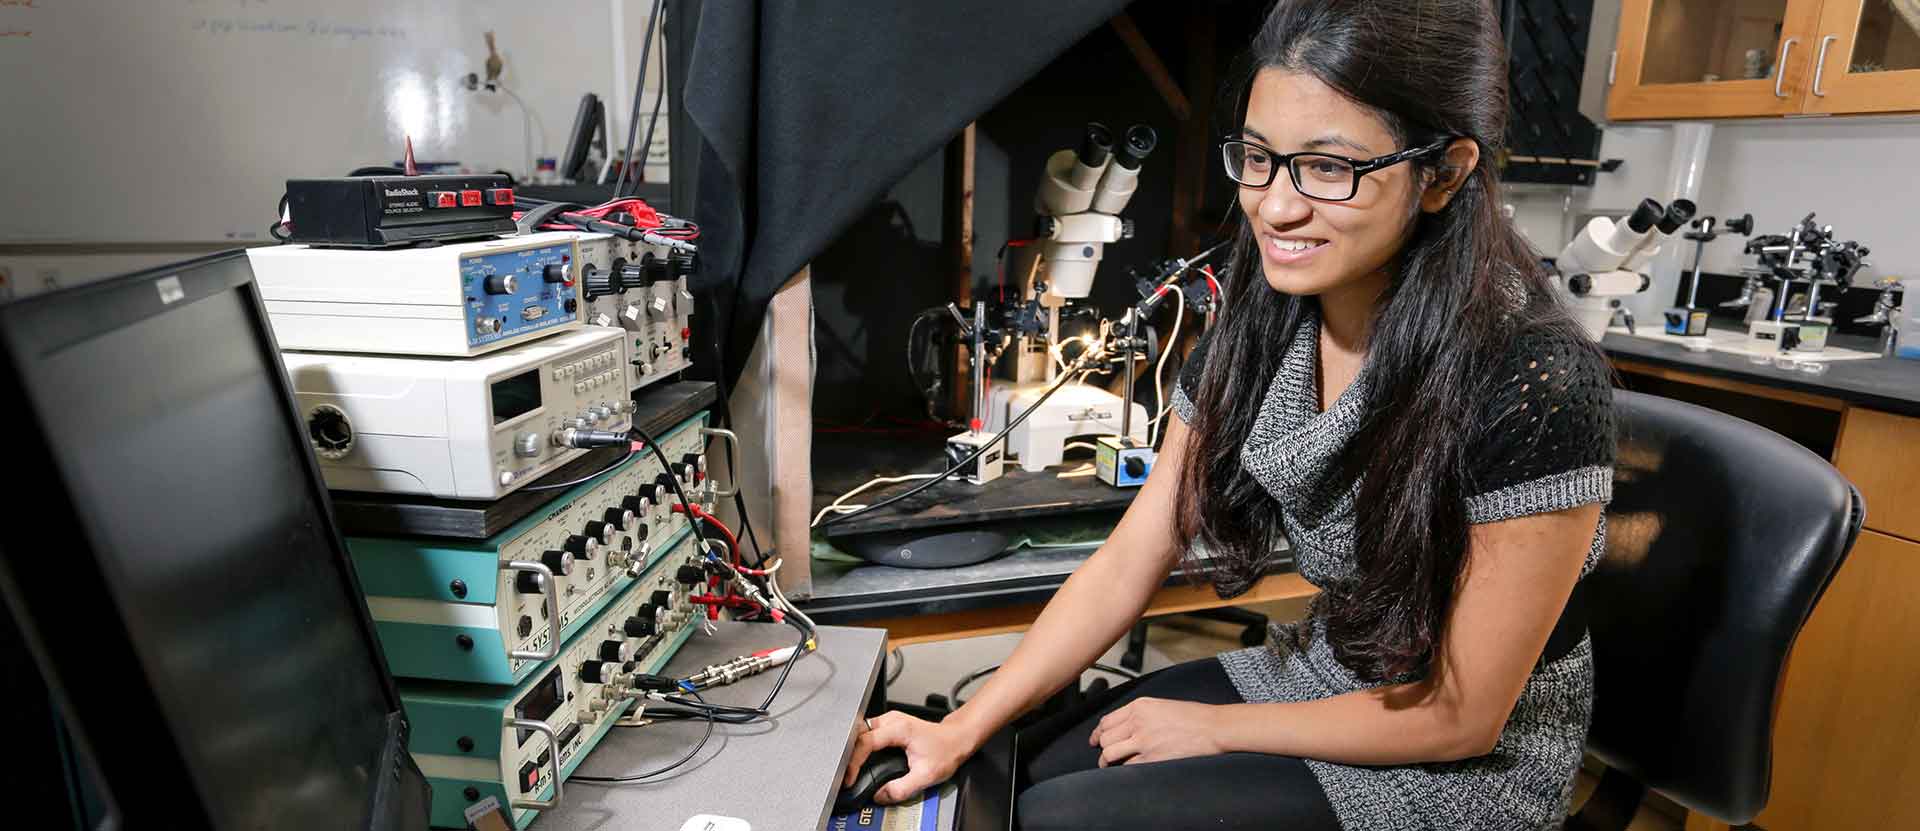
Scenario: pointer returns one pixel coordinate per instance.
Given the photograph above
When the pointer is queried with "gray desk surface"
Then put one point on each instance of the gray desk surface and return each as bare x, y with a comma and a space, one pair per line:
1891, 384
779, 775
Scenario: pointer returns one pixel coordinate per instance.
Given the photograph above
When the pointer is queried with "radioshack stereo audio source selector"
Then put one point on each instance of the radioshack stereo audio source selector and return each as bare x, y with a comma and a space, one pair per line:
462, 428
455, 300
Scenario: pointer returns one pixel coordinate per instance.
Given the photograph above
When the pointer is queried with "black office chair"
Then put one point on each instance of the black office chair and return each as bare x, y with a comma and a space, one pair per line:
1721, 537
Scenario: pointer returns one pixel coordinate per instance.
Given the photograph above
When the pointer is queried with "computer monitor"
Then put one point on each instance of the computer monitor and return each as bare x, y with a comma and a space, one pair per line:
174, 569
589, 128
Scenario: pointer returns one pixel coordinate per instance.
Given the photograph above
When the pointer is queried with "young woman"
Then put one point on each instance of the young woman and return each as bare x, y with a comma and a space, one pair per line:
1394, 394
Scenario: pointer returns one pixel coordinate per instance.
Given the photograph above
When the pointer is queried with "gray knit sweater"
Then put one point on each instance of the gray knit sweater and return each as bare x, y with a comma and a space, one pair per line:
1531, 467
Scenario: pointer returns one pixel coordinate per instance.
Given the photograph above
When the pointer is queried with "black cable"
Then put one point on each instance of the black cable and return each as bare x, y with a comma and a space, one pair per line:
988, 445
646, 146
619, 780
639, 89
733, 473
588, 478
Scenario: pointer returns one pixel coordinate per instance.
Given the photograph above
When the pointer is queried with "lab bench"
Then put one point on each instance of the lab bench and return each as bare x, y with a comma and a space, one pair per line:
1844, 732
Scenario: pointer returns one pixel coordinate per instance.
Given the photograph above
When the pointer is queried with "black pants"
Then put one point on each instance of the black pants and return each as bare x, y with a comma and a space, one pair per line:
1069, 789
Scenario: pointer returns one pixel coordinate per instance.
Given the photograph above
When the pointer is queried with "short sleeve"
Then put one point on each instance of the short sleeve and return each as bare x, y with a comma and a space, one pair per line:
1545, 442
1187, 388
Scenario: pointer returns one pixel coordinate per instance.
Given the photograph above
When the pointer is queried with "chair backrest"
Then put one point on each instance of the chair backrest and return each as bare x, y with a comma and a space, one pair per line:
1720, 538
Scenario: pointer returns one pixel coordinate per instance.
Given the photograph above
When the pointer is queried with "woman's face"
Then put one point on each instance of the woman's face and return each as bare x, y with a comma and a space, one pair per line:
1308, 246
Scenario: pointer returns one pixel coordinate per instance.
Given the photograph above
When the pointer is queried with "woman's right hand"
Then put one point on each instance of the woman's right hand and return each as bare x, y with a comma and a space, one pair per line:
934, 752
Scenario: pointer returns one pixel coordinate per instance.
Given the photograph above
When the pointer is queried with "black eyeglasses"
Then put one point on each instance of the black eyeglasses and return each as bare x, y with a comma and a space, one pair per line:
1321, 176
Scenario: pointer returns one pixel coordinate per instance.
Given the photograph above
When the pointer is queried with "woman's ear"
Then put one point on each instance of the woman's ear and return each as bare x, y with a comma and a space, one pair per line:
1459, 160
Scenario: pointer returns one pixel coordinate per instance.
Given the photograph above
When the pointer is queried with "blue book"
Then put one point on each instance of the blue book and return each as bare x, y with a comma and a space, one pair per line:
933, 811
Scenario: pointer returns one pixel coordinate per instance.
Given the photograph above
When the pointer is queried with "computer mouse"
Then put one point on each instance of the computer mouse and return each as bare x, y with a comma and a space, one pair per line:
882, 766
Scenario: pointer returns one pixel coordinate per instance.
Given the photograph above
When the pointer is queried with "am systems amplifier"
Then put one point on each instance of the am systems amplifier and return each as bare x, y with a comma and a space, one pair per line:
518, 744
385, 211
641, 288
455, 300
486, 612
466, 428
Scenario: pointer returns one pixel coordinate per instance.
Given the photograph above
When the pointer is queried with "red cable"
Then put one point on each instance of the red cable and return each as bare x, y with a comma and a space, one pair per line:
733, 543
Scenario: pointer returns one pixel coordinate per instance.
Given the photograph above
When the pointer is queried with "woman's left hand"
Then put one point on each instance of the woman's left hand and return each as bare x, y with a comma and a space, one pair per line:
1157, 730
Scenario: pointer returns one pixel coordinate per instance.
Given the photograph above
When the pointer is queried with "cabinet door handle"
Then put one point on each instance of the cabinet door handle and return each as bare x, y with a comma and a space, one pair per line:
1820, 63
1780, 67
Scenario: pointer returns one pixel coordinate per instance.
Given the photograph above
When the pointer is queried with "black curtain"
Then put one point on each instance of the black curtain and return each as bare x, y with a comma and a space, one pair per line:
795, 116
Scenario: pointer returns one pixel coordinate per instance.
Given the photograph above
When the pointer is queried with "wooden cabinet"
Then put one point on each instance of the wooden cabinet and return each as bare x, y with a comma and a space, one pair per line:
1880, 454
1843, 741
1866, 58
1745, 58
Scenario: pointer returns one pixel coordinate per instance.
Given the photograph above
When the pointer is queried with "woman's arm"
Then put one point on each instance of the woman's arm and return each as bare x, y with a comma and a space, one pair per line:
1518, 577
1098, 603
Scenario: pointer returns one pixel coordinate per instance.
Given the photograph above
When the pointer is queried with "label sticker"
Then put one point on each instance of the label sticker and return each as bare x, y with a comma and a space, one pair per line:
170, 290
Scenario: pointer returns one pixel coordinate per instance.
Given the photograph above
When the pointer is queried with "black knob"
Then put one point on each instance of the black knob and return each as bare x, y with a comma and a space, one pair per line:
558, 562
689, 575
659, 492
615, 651
660, 598
682, 263
693, 460
556, 273
634, 504
1742, 226
601, 532
620, 517
501, 284
639, 626
664, 484
581, 547
598, 283
529, 583
648, 612
658, 269
1134, 467
597, 672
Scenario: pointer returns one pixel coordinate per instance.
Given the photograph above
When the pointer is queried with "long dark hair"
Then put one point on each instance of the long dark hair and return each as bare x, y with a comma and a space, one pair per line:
1465, 284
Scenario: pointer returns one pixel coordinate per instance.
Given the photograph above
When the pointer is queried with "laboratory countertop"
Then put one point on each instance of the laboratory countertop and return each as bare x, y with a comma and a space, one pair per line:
1890, 384
780, 774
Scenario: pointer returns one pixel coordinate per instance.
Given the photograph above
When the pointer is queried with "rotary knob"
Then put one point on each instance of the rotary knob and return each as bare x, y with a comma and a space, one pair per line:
640, 625
556, 273
502, 284
660, 598
530, 582
581, 547
526, 445
558, 562
620, 651
600, 532
689, 575
620, 518
634, 505
598, 672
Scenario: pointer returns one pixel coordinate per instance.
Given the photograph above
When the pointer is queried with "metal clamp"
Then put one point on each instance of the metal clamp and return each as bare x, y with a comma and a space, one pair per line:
1820, 63
1780, 67
553, 754
733, 443
552, 594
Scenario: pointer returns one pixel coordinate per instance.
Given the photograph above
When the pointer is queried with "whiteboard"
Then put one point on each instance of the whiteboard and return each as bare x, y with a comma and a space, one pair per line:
144, 121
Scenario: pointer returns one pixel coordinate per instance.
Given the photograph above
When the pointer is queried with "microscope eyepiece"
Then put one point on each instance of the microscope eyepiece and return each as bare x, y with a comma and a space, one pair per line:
1679, 211
1644, 216
1096, 145
1140, 141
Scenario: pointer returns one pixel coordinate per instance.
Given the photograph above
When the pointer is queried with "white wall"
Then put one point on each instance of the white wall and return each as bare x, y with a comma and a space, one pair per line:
1861, 176
217, 154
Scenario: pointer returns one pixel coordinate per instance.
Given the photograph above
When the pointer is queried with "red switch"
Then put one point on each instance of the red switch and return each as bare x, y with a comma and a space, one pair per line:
443, 199
469, 199
500, 196
686, 334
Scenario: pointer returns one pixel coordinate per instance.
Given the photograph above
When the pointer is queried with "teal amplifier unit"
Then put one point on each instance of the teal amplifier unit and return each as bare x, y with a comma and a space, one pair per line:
518, 744
491, 612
